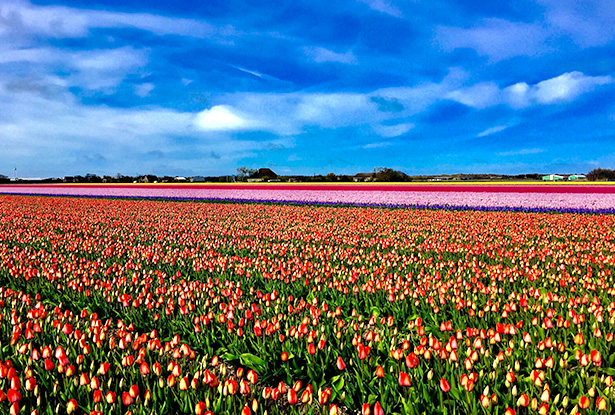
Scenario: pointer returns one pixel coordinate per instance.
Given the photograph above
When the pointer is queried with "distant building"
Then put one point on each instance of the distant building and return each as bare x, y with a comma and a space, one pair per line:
197, 179
363, 177
179, 179
577, 177
552, 178
262, 174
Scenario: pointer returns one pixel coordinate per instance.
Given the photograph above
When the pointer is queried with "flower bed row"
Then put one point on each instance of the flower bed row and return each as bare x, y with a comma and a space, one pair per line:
479, 200
109, 306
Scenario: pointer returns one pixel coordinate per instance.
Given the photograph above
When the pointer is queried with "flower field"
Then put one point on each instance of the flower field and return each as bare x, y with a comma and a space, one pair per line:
534, 198
144, 306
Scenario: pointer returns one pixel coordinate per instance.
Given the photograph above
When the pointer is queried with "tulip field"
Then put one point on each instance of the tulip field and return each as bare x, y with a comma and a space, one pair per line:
115, 306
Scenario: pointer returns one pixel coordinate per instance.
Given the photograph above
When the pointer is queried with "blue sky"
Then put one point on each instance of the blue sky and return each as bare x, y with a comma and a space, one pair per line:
306, 86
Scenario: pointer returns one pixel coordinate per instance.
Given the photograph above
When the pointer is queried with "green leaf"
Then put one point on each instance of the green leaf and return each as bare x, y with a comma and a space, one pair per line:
337, 382
252, 361
455, 393
228, 356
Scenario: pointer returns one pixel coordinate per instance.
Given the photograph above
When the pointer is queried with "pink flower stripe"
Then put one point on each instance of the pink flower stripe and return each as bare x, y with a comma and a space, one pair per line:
603, 198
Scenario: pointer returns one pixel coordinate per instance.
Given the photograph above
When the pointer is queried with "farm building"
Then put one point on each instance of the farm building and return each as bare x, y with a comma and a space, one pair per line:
552, 177
262, 175
576, 177
363, 177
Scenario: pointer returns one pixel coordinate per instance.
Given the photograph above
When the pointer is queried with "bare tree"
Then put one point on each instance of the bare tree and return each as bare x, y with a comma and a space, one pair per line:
245, 172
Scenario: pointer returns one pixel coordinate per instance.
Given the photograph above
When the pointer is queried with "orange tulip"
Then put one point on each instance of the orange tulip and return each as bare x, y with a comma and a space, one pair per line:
71, 406
292, 396
584, 402
110, 397
199, 408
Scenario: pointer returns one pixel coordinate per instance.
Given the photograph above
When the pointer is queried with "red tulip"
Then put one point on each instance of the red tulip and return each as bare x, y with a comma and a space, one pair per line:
134, 391
378, 409
311, 349
14, 395
340, 363
404, 379
365, 409
601, 403
584, 402
444, 385
380, 372
144, 369
30, 384
412, 361
127, 399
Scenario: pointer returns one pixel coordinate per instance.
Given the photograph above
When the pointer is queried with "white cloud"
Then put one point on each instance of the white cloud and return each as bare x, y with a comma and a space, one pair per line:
383, 6
393, 130
499, 39
560, 89
589, 23
567, 86
333, 110
99, 69
21, 17
144, 90
104, 69
517, 95
492, 130
293, 113
321, 55
221, 118
482, 95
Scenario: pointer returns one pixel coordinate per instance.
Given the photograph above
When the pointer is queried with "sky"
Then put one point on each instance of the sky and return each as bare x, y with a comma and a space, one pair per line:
306, 87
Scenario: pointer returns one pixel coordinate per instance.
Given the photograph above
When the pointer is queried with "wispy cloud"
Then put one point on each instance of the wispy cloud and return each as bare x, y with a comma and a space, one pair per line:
320, 55
21, 18
144, 90
492, 130
499, 39
376, 145
522, 152
383, 6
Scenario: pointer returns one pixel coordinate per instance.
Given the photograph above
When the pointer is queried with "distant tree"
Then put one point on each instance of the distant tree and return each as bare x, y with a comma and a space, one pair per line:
331, 177
601, 174
385, 174
245, 172
4, 179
